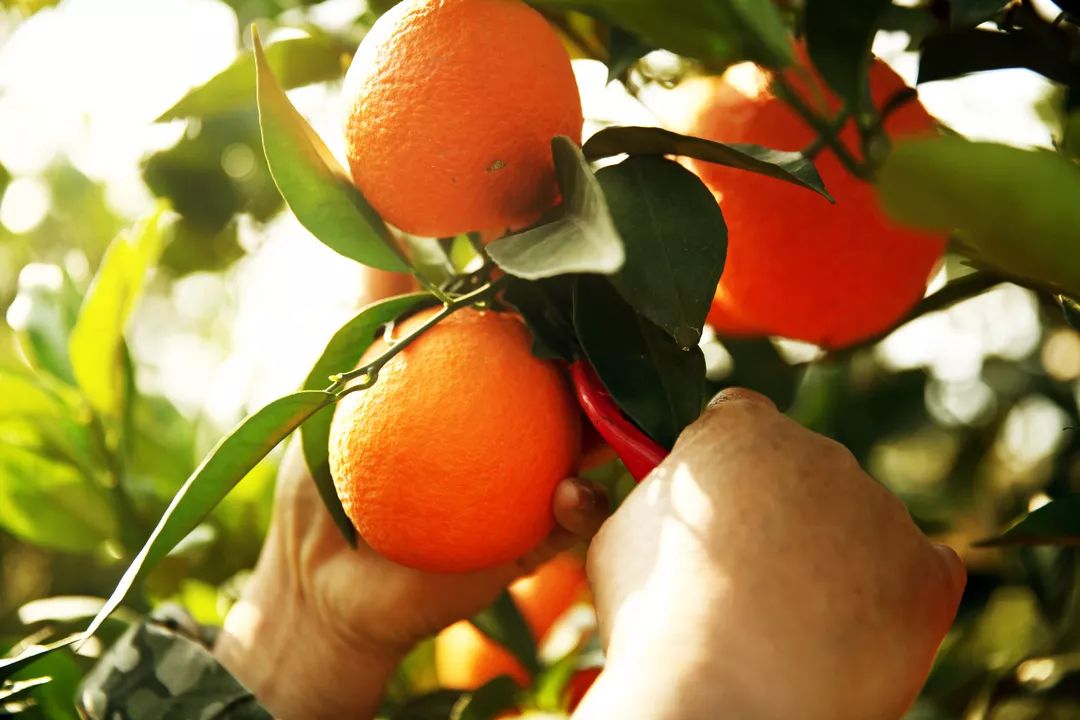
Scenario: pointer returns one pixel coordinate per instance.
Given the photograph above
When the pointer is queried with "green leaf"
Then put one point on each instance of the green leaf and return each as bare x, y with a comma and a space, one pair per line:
547, 308
838, 39
792, 167
959, 53
313, 183
1056, 523
717, 32
42, 315
342, 354
97, 341
487, 701
30, 396
12, 665
1015, 210
218, 473
624, 49
582, 240
759, 366
13, 690
503, 623
657, 384
549, 688
295, 62
53, 700
675, 239
52, 504
48, 418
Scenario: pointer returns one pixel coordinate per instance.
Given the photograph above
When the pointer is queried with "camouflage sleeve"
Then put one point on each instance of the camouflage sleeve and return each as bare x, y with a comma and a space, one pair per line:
163, 670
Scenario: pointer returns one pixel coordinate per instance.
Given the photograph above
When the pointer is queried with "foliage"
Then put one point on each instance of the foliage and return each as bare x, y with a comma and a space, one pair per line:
93, 468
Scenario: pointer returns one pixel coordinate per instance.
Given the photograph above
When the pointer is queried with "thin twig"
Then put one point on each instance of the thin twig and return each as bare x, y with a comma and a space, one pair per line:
962, 288
370, 371
783, 90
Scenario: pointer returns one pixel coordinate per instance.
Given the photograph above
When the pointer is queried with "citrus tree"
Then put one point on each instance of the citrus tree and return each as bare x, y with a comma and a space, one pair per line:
804, 193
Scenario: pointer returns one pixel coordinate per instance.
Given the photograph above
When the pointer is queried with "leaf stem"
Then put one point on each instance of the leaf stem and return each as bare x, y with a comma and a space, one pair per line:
956, 291
783, 90
424, 282
369, 372
812, 150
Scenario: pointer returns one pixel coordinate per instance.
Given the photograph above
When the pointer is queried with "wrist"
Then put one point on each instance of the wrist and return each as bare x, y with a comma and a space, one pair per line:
295, 664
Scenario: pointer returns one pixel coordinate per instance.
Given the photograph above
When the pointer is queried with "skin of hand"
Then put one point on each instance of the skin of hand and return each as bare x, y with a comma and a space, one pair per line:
760, 574
321, 626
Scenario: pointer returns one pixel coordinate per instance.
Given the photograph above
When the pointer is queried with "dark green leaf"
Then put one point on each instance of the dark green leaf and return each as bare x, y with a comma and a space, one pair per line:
97, 340
52, 504
1056, 523
675, 240
547, 307
717, 32
487, 701
342, 354
624, 49
582, 240
792, 167
1071, 308
970, 51
503, 623
838, 39
969, 13
42, 315
1015, 210
12, 665
218, 473
313, 183
759, 366
295, 62
435, 705
915, 22
657, 384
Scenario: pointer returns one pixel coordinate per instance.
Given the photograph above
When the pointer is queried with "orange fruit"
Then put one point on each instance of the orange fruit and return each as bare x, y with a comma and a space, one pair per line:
465, 658
797, 266
448, 463
454, 105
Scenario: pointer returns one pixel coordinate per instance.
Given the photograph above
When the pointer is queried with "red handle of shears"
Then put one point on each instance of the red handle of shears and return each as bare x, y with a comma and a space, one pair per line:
638, 451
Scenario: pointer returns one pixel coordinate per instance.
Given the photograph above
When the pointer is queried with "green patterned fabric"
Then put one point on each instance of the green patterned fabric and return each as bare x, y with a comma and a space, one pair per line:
163, 670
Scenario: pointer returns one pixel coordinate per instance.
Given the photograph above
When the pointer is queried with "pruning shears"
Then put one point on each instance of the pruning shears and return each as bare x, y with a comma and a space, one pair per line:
640, 453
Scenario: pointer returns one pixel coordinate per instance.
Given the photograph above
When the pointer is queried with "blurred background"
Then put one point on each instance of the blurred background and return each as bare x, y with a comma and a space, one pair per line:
968, 414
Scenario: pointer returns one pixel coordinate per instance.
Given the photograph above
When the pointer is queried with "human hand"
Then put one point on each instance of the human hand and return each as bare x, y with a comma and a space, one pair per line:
321, 626
759, 573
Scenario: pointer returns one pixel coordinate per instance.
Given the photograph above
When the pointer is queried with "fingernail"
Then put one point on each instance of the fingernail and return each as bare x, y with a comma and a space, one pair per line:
586, 497
955, 565
737, 393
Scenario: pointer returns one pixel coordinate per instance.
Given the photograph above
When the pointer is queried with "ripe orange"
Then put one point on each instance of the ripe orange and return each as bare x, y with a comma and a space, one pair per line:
456, 103
465, 658
449, 462
797, 266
